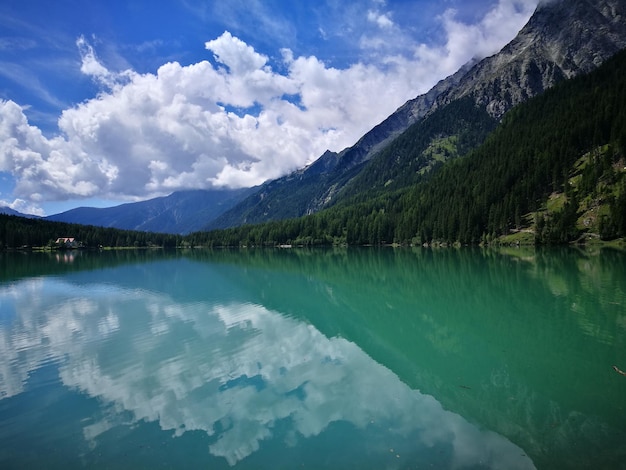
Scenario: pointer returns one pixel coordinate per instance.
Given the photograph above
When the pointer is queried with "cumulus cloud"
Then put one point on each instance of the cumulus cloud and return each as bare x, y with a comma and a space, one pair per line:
383, 20
22, 206
90, 64
490, 34
236, 120
46, 168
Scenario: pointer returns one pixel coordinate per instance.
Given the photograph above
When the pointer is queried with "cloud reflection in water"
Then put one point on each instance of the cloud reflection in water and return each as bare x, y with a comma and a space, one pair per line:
233, 371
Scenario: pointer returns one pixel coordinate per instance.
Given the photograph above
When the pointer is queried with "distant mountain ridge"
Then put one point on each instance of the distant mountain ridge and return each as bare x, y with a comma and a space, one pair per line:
9, 211
563, 39
181, 212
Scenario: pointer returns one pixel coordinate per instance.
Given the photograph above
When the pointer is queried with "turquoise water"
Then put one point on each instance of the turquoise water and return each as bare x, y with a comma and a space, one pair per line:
347, 358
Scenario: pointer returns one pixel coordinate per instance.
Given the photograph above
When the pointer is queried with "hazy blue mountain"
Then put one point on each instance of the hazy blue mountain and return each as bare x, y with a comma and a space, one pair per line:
9, 211
563, 39
181, 212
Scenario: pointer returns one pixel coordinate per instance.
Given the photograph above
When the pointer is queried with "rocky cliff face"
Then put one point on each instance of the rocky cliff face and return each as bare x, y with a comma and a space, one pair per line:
563, 38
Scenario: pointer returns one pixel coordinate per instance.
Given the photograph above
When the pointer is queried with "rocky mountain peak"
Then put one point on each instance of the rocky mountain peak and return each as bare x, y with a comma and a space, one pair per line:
562, 39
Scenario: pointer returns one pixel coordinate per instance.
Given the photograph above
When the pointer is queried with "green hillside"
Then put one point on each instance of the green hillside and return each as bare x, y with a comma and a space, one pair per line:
551, 172
445, 134
578, 129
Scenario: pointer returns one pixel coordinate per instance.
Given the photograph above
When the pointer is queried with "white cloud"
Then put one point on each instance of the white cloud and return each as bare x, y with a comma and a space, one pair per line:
236, 54
485, 38
383, 20
235, 122
90, 64
462, 41
46, 168
22, 206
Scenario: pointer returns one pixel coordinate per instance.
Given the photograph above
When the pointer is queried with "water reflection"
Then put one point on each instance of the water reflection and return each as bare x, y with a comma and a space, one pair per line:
239, 372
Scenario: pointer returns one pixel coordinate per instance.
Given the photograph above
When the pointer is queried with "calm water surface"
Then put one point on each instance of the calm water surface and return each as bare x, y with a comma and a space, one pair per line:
284, 359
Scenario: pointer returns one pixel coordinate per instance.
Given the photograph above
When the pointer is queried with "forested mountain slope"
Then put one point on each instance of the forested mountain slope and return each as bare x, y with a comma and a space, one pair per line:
562, 39
554, 168
539, 150
447, 133
400, 181
9, 211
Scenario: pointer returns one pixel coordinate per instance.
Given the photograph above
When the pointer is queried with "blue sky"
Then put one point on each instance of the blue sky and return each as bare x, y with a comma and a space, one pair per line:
105, 102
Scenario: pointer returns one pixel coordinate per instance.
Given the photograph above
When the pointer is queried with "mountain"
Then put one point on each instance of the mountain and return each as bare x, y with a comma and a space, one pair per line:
563, 39
181, 212
8, 211
312, 188
552, 172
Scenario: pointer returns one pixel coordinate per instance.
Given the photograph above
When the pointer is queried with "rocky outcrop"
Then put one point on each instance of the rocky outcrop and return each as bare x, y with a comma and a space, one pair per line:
564, 38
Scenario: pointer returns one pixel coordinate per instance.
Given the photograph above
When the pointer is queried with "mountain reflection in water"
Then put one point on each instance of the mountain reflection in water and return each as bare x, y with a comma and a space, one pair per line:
239, 372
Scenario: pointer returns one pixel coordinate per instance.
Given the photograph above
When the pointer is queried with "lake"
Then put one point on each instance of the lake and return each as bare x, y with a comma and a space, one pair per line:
341, 359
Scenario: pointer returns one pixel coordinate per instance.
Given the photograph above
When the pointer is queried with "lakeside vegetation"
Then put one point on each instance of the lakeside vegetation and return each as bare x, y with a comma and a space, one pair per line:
553, 172
21, 232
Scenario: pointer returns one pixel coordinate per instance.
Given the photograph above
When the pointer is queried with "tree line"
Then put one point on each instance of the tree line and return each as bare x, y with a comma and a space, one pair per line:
16, 232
